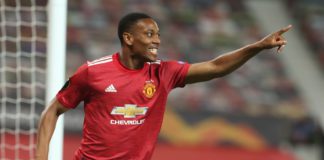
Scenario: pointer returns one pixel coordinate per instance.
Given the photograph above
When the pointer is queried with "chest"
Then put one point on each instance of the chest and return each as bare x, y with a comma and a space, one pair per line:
122, 88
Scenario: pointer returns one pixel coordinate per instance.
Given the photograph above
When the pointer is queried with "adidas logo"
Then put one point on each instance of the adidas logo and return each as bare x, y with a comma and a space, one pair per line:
110, 88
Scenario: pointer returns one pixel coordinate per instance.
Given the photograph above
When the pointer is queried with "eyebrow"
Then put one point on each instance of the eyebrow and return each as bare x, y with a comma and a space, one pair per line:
152, 30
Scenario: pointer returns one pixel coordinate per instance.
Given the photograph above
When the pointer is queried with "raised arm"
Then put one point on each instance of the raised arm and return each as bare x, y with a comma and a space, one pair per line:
228, 62
46, 128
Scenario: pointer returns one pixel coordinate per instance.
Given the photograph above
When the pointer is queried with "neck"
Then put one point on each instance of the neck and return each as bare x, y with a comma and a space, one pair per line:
129, 60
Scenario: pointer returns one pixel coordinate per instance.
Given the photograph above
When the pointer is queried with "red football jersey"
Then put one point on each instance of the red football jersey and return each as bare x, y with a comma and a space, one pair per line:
123, 108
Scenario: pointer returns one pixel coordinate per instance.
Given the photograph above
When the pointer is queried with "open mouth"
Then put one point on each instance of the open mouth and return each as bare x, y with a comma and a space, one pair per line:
153, 50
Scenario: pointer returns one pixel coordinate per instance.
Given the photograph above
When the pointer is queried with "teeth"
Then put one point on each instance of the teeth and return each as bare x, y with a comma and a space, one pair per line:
153, 50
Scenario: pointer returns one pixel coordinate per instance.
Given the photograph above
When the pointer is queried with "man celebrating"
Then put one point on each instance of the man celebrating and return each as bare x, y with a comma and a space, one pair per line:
125, 93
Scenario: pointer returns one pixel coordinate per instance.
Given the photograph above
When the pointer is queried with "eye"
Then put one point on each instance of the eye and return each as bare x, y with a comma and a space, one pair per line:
149, 34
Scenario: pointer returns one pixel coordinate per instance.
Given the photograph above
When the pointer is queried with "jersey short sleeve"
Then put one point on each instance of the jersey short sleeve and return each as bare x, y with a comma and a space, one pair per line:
174, 74
75, 89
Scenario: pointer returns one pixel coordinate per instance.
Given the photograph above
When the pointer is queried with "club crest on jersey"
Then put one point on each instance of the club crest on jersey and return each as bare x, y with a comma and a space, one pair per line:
129, 111
149, 89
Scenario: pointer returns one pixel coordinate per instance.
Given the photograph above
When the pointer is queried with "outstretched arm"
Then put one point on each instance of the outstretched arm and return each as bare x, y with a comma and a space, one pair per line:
228, 62
46, 128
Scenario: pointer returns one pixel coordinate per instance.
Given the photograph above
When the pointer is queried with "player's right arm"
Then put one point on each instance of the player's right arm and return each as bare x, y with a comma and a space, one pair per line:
71, 94
46, 127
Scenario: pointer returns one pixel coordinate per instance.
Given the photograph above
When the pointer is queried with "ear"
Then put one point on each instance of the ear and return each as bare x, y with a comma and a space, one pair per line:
128, 38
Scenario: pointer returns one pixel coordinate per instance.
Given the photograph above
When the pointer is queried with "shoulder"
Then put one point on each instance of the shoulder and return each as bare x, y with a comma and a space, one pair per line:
170, 63
99, 61
93, 66
156, 63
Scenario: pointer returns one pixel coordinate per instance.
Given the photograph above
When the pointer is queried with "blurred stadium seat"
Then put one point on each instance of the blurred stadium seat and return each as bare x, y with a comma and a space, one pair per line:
310, 18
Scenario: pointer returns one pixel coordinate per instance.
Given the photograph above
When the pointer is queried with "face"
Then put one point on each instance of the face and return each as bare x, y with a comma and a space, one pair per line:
145, 40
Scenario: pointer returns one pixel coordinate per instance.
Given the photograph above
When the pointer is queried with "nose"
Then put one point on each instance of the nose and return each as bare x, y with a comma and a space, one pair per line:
156, 39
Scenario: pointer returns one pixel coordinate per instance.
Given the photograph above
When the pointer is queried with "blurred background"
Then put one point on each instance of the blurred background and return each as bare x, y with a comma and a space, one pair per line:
268, 109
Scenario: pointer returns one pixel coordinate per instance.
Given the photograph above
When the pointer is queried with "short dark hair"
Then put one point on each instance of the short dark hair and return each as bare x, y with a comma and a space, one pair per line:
127, 22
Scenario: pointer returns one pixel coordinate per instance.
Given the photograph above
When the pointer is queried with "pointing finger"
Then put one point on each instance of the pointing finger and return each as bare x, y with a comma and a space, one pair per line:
283, 30
280, 48
280, 41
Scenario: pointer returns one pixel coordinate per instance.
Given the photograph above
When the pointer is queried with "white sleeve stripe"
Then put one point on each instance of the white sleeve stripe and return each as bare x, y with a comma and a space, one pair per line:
156, 62
99, 62
101, 59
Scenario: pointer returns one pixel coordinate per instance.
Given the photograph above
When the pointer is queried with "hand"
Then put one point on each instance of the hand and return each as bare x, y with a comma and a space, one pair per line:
275, 39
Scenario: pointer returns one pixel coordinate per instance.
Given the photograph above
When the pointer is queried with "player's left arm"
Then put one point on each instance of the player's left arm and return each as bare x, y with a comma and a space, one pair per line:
228, 62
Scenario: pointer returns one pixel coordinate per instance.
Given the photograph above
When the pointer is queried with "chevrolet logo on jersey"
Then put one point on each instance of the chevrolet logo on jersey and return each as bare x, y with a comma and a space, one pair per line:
129, 111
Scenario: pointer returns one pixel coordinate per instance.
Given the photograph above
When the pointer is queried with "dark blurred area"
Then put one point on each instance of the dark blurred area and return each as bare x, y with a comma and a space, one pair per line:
309, 15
